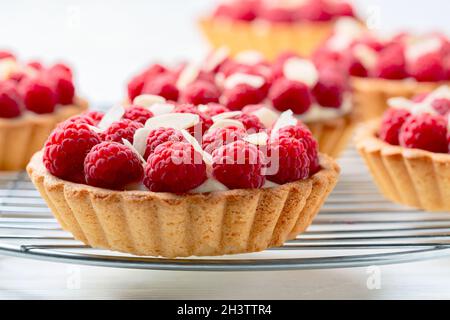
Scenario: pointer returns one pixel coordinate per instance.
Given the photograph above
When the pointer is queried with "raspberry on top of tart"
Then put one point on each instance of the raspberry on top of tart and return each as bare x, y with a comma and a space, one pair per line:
364, 54
33, 87
283, 11
251, 83
408, 150
173, 147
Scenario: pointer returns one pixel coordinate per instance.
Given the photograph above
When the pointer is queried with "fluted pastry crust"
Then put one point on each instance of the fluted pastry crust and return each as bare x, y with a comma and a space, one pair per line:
169, 225
412, 177
22, 137
270, 39
370, 95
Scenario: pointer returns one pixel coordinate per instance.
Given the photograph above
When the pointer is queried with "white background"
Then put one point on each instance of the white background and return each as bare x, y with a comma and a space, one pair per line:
107, 40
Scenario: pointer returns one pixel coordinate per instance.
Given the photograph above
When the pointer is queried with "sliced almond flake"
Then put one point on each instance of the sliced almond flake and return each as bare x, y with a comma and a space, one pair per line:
400, 103
188, 75
207, 158
249, 57
286, 119
366, 55
161, 108
243, 78
147, 100
203, 108
210, 185
426, 106
173, 120
140, 140
301, 70
258, 139
216, 58
129, 145
422, 47
226, 115
225, 123
7, 67
220, 80
114, 114
266, 115
349, 27
95, 129
269, 184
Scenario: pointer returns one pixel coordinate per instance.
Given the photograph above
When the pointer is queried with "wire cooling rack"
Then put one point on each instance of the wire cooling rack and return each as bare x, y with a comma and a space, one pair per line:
356, 227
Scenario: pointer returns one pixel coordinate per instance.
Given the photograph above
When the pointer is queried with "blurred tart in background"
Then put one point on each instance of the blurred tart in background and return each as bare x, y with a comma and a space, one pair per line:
33, 99
248, 84
272, 27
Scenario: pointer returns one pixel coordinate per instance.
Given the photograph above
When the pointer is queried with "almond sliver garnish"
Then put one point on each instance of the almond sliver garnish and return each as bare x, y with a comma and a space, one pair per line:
161, 108
207, 158
188, 75
226, 115
114, 114
243, 78
225, 123
147, 100
129, 145
286, 119
173, 120
258, 139
301, 70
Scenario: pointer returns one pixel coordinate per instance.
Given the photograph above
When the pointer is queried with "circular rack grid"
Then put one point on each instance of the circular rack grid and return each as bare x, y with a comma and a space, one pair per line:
356, 227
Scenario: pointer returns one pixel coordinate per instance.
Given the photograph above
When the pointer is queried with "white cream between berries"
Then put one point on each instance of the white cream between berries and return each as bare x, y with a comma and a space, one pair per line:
248, 82
180, 148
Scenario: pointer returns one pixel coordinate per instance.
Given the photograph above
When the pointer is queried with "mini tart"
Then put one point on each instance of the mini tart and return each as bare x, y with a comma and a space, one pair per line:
169, 225
370, 95
268, 38
412, 177
333, 135
21, 137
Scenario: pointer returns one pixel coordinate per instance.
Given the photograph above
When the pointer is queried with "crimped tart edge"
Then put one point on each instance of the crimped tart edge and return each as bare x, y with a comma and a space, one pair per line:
413, 177
169, 225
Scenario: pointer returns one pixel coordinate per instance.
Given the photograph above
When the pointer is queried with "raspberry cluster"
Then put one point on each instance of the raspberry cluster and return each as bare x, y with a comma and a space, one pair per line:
425, 58
424, 125
234, 148
34, 87
290, 82
311, 10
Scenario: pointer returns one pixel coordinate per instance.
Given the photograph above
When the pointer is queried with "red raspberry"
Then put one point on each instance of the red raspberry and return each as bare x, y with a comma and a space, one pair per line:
66, 148
288, 94
391, 63
429, 67
250, 122
314, 10
245, 10
442, 106
214, 109
276, 14
205, 120
200, 92
122, 129
302, 133
112, 165
158, 136
39, 96
163, 85
426, 132
354, 65
18, 76
391, 123
6, 55
174, 167
79, 119
137, 114
96, 116
61, 69
420, 97
216, 138
36, 65
239, 165
10, 100
341, 9
241, 95
289, 160
136, 84
64, 89
329, 91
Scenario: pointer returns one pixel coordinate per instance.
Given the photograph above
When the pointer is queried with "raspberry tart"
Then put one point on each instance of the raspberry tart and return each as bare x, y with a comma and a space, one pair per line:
272, 27
183, 183
257, 90
33, 99
383, 67
408, 153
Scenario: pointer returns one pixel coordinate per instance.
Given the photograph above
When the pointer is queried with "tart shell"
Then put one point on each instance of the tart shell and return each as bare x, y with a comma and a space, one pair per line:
169, 225
21, 138
333, 135
412, 177
269, 38
370, 95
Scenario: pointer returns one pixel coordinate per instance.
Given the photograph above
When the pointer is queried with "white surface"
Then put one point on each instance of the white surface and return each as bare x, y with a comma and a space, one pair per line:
108, 40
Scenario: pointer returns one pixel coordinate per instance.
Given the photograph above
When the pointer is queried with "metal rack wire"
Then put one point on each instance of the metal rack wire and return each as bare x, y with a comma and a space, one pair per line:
356, 227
